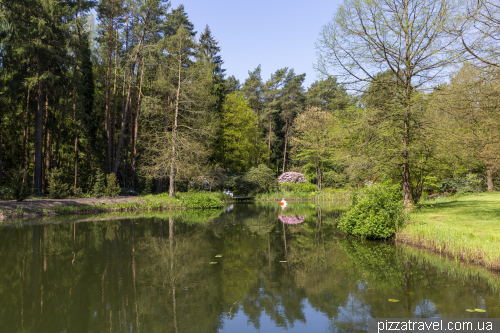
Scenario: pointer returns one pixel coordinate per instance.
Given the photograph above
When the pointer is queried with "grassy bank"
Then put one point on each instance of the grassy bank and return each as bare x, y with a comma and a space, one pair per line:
339, 197
148, 203
466, 228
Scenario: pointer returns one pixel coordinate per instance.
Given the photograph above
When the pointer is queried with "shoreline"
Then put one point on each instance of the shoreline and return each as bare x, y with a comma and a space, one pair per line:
465, 228
31, 208
401, 240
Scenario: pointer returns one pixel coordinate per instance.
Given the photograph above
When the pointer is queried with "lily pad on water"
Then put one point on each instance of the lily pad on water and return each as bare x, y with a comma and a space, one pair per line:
218, 256
479, 310
213, 262
393, 300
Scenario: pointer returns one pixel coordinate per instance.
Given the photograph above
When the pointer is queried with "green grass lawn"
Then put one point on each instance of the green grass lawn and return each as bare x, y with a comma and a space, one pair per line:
479, 214
467, 227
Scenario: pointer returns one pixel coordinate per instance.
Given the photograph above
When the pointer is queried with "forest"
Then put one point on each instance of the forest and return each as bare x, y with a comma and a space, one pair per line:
409, 93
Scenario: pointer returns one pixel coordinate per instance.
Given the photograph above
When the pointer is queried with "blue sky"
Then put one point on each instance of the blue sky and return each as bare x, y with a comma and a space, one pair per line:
273, 33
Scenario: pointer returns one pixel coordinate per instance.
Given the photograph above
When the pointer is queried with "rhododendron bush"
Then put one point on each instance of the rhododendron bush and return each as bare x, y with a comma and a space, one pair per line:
291, 177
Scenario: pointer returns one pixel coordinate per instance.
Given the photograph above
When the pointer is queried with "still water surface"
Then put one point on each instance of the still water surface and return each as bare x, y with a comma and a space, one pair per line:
249, 268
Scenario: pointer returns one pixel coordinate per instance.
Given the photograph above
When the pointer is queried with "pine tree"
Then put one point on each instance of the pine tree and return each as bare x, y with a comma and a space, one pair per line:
293, 103
99, 188
210, 58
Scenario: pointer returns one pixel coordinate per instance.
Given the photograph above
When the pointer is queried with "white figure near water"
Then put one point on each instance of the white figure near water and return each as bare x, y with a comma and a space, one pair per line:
283, 203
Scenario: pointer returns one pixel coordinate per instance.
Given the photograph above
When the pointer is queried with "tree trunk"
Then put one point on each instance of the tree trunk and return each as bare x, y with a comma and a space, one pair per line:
76, 137
286, 141
25, 130
171, 190
136, 126
270, 131
28, 144
124, 112
113, 125
44, 167
48, 156
1, 160
489, 178
159, 186
120, 141
63, 116
131, 134
108, 78
258, 130
407, 199
59, 131
37, 158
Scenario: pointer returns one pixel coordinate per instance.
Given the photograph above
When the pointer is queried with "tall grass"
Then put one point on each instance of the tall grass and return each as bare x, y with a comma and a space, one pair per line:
339, 197
464, 227
461, 244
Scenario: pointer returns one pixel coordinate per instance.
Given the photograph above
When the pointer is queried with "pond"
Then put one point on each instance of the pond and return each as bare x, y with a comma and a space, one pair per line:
247, 268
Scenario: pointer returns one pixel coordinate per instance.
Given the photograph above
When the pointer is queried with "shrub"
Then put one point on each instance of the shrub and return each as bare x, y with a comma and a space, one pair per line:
291, 177
77, 192
199, 183
262, 177
333, 179
99, 187
112, 187
376, 212
200, 200
19, 185
298, 187
468, 184
5, 193
57, 187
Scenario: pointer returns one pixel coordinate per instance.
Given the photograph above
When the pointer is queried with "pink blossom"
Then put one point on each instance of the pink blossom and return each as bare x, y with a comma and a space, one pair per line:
291, 177
292, 219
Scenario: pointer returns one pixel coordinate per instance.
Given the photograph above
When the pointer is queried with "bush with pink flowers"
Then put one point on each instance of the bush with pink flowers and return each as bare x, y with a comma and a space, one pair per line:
291, 177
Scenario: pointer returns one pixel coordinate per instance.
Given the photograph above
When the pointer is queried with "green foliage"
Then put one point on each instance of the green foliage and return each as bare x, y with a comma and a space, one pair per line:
99, 188
200, 200
19, 186
239, 132
298, 187
78, 193
57, 187
376, 212
468, 184
262, 177
5, 193
112, 186
334, 180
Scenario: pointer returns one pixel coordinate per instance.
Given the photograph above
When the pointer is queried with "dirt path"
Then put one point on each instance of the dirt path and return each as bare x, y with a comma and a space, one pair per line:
37, 205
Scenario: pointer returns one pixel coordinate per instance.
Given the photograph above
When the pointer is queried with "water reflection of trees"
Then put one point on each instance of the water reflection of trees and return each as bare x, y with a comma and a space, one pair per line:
154, 275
